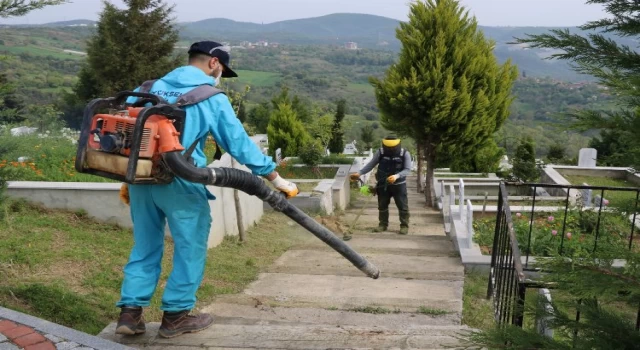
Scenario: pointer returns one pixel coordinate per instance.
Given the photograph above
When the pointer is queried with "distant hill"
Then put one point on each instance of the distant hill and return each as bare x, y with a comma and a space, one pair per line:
368, 31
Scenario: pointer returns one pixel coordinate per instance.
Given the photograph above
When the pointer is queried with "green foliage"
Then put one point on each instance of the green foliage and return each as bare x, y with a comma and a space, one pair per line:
242, 112
311, 153
259, 116
616, 66
524, 161
336, 145
366, 136
486, 160
44, 117
16, 8
130, 46
299, 105
285, 131
556, 153
581, 279
447, 90
579, 237
320, 129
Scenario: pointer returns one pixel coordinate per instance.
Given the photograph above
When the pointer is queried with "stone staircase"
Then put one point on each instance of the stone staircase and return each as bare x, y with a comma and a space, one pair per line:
313, 298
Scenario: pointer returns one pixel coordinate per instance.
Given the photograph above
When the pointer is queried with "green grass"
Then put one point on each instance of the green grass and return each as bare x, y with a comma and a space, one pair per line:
306, 186
477, 311
360, 88
376, 310
66, 268
305, 172
613, 196
257, 78
432, 312
39, 51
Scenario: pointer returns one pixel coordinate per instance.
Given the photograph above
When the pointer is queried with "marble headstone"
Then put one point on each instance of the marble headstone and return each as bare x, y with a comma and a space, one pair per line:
588, 158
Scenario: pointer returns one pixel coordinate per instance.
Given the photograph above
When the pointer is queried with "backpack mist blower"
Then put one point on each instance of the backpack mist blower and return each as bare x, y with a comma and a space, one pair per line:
141, 145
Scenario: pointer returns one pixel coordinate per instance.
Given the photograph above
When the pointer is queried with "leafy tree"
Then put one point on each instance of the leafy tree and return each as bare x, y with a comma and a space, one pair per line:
524, 161
320, 129
259, 117
17, 8
242, 112
366, 136
486, 160
556, 153
130, 46
447, 90
11, 8
285, 131
299, 106
616, 67
10, 105
311, 153
44, 117
336, 145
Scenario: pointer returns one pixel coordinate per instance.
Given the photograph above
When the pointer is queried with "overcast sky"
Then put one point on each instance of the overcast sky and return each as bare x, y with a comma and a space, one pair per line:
488, 12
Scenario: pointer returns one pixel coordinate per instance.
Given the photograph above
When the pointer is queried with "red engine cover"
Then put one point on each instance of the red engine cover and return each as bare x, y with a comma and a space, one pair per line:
123, 123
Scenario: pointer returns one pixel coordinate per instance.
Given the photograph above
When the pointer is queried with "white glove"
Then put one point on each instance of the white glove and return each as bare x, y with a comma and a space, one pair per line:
287, 187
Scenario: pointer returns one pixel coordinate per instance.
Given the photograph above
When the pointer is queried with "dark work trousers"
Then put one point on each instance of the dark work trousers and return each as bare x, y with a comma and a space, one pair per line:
399, 195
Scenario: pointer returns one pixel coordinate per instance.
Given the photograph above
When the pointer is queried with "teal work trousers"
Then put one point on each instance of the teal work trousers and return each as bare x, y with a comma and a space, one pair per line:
184, 206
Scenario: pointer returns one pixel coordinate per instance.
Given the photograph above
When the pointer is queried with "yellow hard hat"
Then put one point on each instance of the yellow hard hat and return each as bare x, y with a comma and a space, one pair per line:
391, 141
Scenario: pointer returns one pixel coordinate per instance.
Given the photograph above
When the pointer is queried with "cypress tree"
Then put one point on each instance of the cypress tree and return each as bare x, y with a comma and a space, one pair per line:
336, 145
285, 131
130, 46
447, 90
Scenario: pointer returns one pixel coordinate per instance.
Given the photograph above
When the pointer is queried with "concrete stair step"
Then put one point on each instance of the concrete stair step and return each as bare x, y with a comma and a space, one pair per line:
394, 230
230, 334
414, 205
414, 220
397, 244
393, 210
265, 314
397, 266
347, 293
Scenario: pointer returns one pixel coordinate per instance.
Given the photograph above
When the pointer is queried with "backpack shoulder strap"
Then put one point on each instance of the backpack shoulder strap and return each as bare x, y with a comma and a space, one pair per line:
197, 95
146, 86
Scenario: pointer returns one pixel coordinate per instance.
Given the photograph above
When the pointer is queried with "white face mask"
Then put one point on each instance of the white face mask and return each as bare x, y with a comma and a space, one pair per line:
218, 77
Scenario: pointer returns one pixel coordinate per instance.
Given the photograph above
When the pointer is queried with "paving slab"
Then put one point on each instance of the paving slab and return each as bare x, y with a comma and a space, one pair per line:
397, 266
233, 336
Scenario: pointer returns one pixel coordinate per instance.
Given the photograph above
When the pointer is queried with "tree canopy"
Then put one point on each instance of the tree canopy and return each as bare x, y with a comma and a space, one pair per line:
447, 90
616, 66
17, 8
130, 46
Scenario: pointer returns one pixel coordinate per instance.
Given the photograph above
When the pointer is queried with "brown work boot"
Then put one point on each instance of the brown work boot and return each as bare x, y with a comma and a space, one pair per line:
380, 228
177, 323
130, 321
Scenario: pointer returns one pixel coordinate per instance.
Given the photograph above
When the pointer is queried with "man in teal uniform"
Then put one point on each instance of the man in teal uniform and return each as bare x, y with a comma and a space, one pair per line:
185, 205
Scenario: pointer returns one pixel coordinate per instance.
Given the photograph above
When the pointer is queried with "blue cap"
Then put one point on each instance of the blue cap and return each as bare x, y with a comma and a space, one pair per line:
214, 49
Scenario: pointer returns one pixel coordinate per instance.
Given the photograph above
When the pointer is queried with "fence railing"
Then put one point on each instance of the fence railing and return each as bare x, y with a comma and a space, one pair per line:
506, 278
585, 211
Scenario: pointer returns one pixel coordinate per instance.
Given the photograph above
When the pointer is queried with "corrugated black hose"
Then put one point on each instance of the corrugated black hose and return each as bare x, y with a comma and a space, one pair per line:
255, 186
